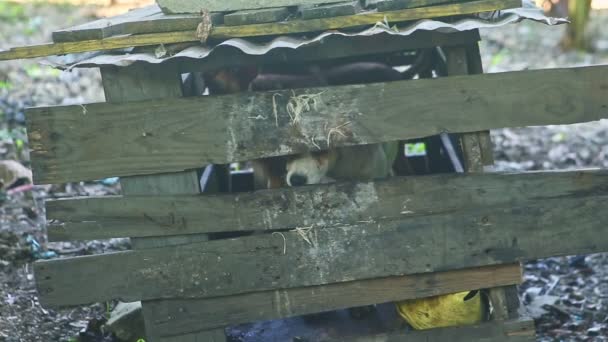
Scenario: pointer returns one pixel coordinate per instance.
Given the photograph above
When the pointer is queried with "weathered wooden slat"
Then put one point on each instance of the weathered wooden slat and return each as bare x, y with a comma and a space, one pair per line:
482, 236
140, 82
362, 19
180, 316
248, 17
462, 60
331, 10
268, 29
195, 6
510, 331
323, 206
85, 142
149, 19
392, 5
99, 29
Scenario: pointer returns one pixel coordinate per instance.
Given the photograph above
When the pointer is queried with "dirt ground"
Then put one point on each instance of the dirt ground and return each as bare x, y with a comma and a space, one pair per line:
566, 296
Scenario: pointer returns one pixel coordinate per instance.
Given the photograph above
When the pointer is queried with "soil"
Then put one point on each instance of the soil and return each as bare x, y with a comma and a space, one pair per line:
566, 296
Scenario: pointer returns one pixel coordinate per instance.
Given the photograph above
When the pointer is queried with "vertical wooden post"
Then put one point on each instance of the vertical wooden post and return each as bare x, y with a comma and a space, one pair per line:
143, 82
477, 151
575, 37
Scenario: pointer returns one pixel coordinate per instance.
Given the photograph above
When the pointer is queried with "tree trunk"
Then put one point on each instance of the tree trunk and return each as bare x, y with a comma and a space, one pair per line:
575, 38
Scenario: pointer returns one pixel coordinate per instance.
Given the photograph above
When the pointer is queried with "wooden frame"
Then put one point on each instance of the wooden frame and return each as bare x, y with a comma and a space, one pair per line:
410, 248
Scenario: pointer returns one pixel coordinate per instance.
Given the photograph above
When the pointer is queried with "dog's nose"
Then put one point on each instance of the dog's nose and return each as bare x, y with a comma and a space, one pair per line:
297, 180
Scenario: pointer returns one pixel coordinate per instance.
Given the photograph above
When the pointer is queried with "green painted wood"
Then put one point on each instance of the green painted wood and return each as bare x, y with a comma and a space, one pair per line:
141, 138
195, 6
321, 206
510, 331
248, 17
102, 28
148, 19
179, 316
331, 10
393, 5
481, 236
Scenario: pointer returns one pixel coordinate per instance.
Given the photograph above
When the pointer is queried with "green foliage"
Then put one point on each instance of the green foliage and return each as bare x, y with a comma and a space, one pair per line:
35, 71
10, 11
5, 85
16, 137
499, 57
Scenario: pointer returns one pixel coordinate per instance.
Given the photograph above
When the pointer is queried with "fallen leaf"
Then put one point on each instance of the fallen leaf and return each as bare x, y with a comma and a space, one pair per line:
12, 171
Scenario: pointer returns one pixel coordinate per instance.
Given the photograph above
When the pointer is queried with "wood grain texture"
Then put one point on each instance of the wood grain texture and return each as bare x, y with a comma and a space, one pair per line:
362, 19
144, 20
71, 143
331, 10
463, 60
141, 82
483, 236
195, 6
104, 27
268, 29
321, 206
392, 5
140, 21
180, 316
248, 17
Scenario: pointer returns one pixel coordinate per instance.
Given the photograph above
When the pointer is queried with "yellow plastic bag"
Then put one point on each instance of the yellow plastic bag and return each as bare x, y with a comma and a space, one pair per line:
463, 308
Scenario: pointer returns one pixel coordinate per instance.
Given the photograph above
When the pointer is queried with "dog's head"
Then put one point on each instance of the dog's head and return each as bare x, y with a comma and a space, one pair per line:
309, 168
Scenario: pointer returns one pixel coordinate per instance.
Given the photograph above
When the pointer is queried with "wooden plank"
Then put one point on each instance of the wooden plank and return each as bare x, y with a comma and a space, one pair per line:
268, 29
475, 67
99, 29
141, 82
324, 206
362, 19
511, 331
118, 42
392, 5
140, 138
482, 236
149, 19
195, 6
459, 61
331, 10
180, 316
267, 15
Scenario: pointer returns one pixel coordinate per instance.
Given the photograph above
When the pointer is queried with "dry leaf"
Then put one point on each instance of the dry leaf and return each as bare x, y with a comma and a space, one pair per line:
12, 171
